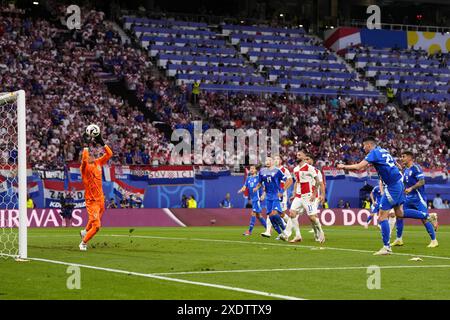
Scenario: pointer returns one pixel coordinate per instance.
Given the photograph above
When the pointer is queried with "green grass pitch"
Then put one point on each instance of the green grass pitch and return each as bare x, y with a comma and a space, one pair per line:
220, 263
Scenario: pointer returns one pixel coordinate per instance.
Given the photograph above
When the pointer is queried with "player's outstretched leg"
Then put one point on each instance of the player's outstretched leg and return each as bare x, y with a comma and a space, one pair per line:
430, 229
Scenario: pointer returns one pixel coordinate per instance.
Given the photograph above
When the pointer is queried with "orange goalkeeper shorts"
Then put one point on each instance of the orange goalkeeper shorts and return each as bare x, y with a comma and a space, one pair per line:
95, 210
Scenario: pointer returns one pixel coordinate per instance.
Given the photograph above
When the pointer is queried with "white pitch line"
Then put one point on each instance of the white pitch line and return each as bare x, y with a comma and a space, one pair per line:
158, 277
270, 244
247, 242
296, 269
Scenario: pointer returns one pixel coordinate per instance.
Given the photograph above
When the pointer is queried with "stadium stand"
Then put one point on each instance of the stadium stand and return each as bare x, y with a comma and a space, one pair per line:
62, 99
415, 75
250, 77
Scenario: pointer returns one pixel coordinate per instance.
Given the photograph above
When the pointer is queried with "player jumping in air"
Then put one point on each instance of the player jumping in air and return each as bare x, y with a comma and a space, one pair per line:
91, 175
250, 183
393, 196
414, 181
270, 179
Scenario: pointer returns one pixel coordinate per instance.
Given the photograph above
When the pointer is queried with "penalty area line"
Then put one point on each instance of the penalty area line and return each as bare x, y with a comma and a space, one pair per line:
159, 277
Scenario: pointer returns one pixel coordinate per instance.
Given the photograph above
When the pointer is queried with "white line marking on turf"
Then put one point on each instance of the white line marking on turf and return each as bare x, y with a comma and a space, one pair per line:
158, 277
245, 242
296, 269
173, 217
269, 244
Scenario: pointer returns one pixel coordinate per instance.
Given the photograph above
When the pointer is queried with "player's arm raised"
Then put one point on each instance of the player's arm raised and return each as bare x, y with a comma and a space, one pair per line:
108, 152
85, 153
358, 166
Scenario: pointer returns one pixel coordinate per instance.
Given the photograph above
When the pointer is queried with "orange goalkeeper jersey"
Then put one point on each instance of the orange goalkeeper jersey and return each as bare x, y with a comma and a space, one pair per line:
91, 174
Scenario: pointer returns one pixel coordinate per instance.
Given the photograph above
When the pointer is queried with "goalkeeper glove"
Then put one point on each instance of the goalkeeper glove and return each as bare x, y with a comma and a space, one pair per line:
85, 140
99, 140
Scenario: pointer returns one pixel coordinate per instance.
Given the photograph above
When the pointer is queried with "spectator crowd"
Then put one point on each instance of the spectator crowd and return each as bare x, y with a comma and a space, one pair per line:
62, 72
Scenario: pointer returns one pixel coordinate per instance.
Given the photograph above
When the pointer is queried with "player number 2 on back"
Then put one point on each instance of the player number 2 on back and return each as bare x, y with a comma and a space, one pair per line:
389, 160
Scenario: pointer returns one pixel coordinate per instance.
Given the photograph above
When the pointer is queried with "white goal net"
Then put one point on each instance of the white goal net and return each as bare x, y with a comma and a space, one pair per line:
13, 176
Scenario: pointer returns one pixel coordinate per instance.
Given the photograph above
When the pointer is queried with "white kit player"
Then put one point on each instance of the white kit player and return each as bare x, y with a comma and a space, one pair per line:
321, 194
284, 185
306, 188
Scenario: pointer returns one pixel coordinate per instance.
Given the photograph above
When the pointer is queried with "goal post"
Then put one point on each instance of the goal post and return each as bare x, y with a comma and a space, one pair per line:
15, 124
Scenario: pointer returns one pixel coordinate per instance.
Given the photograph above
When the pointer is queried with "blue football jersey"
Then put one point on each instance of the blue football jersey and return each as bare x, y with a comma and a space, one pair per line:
250, 183
411, 176
384, 163
376, 192
271, 180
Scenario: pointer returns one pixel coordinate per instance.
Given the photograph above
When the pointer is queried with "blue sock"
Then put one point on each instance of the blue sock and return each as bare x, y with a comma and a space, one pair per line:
369, 218
430, 230
275, 219
399, 225
414, 214
252, 224
263, 221
385, 232
282, 223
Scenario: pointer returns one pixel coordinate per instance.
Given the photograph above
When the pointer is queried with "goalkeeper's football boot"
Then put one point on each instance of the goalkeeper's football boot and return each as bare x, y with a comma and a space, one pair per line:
83, 246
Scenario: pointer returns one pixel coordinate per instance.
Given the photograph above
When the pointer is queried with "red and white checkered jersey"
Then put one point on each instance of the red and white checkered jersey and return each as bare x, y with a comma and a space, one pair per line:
305, 176
286, 173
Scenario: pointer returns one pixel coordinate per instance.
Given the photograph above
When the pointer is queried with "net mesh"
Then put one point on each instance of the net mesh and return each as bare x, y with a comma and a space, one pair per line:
9, 236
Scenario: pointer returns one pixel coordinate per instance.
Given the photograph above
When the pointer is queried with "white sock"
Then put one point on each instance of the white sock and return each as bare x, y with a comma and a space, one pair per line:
318, 225
392, 221
286, 218
268, 225
316, 231
296, 227
288, 229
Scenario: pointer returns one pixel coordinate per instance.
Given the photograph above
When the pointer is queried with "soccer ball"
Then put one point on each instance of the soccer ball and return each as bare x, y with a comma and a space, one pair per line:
92, 130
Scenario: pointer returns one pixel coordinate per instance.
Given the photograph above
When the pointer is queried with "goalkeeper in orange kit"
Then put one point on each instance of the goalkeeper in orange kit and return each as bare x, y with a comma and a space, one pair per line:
91, 175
